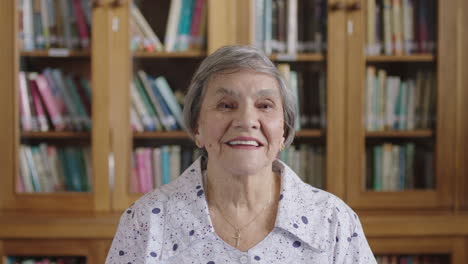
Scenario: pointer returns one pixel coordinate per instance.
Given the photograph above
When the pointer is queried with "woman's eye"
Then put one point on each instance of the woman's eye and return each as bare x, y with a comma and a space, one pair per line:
266, 106
224, 106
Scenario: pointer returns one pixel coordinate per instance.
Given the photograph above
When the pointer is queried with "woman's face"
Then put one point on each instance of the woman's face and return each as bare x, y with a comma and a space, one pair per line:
241, 122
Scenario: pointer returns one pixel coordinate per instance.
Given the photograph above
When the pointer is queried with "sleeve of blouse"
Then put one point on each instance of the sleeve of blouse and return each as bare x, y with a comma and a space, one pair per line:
129, 244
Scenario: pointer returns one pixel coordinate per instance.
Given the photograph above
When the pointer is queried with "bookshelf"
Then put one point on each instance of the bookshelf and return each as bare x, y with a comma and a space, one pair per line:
81, 251
407, 222
441, 136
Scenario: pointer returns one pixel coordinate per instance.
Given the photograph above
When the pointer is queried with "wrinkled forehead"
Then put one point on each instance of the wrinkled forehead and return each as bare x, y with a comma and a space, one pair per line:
240, 82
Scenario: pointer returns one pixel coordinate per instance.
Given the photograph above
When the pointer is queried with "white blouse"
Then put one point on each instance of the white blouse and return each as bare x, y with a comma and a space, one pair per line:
172, 225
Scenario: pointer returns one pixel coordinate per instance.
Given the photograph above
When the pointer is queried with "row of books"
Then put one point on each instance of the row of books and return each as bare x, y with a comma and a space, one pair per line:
185, 28
397, 27
289, 26
46, 168
154, 105
397, 167
307, 161
415, 259
153, 167
48, 24
309, 89
45, 260
397, 103
53, 100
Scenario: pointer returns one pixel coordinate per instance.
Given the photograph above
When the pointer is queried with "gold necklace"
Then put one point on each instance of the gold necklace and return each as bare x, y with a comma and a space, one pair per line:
237, 236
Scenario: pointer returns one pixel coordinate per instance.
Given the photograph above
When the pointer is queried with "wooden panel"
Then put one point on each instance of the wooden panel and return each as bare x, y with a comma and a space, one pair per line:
336, 90
8, 99
355, 134
403, 245
446, 96
462, 120
222, 17
120, 109
442, 197
86, 248
100, 67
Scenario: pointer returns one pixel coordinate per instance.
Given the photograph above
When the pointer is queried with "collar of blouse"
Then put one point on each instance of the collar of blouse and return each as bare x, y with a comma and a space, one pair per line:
301, 211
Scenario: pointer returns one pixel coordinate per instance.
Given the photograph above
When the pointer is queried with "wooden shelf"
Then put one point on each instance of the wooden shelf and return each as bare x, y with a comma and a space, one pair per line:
401, 58
318, 57
185, 54
59, 53
309, 133
56, 135
400, 134
160, 134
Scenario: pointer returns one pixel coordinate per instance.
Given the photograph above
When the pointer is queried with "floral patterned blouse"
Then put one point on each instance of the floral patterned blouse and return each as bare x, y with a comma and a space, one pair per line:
172, 225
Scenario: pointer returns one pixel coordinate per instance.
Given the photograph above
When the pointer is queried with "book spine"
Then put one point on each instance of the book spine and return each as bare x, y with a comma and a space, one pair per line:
147, 104
49, 102
195, 25
66, 23
172, 25
26, 116
141, 171
257, 15
138, 104
158, 181
41, 116
169, 97
45, 23
397, 27
148, 169
292, 27
165, 164
84, 117
184, 25
81, 24
25, 170
146, 28
134, 181
267, 17
371, 24
146, 84
388, 46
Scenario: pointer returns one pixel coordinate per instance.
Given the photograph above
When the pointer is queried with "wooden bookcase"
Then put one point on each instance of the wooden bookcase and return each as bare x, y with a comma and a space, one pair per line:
406, 222
92, 250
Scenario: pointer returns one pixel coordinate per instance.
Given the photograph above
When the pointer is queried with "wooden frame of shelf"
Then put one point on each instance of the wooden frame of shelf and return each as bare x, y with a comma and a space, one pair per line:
442, 197
56, 135
455, 247
185, 54
402, 58
57, 53
9, 120
93, 250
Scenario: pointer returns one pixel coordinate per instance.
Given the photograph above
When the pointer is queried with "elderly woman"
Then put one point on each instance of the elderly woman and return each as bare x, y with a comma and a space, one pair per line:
238, 203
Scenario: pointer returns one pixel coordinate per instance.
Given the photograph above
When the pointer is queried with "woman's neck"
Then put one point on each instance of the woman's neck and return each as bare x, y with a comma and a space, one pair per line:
241, 193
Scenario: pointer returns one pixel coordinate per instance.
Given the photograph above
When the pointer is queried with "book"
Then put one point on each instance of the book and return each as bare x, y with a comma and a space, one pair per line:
145, 27
183, 37
49, 102
292, 27
170, 99
172, 25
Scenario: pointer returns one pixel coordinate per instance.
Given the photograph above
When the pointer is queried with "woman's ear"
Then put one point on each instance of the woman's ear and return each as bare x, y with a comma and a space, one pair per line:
198, 139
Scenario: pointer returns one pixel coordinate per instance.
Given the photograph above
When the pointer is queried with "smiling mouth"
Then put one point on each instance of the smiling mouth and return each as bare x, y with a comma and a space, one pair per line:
244, 144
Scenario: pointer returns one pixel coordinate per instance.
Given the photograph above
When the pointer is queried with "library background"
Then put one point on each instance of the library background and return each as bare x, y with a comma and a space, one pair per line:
91, 94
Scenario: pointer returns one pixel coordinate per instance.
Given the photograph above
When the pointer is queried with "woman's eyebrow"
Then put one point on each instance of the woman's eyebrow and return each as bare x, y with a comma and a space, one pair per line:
225, 91
234, 93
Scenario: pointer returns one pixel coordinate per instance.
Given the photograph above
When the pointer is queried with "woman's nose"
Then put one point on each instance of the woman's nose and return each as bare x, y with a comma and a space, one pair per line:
247, 118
